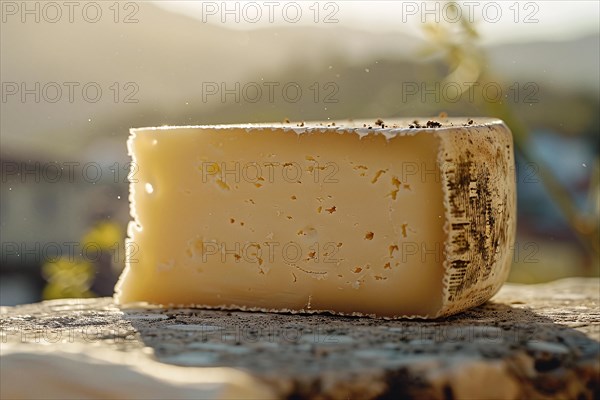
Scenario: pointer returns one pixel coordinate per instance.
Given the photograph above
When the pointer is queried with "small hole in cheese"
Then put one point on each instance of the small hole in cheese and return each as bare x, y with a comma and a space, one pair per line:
377, 175
222, 184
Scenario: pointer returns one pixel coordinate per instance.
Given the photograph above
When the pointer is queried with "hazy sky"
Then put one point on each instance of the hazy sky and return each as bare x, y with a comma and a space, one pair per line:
497, 21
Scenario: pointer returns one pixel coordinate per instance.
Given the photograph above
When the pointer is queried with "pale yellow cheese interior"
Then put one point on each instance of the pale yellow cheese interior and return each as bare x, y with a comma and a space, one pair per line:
220, 215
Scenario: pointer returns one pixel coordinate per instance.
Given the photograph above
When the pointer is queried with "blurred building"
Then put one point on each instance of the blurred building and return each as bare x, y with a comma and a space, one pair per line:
45, 209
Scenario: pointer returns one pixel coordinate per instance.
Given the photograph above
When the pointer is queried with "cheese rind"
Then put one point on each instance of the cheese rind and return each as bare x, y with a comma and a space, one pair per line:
382, 221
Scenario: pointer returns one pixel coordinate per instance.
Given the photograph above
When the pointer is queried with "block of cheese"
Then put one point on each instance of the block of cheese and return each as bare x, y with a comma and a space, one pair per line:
385, 219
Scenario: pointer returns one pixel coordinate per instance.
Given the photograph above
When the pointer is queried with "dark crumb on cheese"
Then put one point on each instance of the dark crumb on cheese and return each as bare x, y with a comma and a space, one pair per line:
470, 122
300, 124
379, 122
433, 124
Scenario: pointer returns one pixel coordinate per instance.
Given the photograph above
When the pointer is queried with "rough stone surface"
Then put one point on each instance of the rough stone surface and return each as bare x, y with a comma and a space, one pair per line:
538, 341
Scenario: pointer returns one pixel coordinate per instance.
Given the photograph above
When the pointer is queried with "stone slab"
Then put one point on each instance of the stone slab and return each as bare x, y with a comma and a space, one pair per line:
530, 341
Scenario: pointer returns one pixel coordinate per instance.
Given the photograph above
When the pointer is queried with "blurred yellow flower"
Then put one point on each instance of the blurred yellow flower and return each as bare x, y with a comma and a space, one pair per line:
67, 278
104, 234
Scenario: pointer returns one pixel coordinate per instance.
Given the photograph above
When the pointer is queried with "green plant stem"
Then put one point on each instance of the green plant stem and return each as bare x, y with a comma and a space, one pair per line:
559, 194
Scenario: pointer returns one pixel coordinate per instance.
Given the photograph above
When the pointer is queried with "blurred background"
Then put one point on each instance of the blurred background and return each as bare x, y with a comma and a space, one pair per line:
76, 76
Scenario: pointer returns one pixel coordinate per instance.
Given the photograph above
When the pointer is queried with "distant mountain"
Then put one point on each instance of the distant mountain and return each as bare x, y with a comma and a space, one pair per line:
570, 65
166, 55
166, 60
